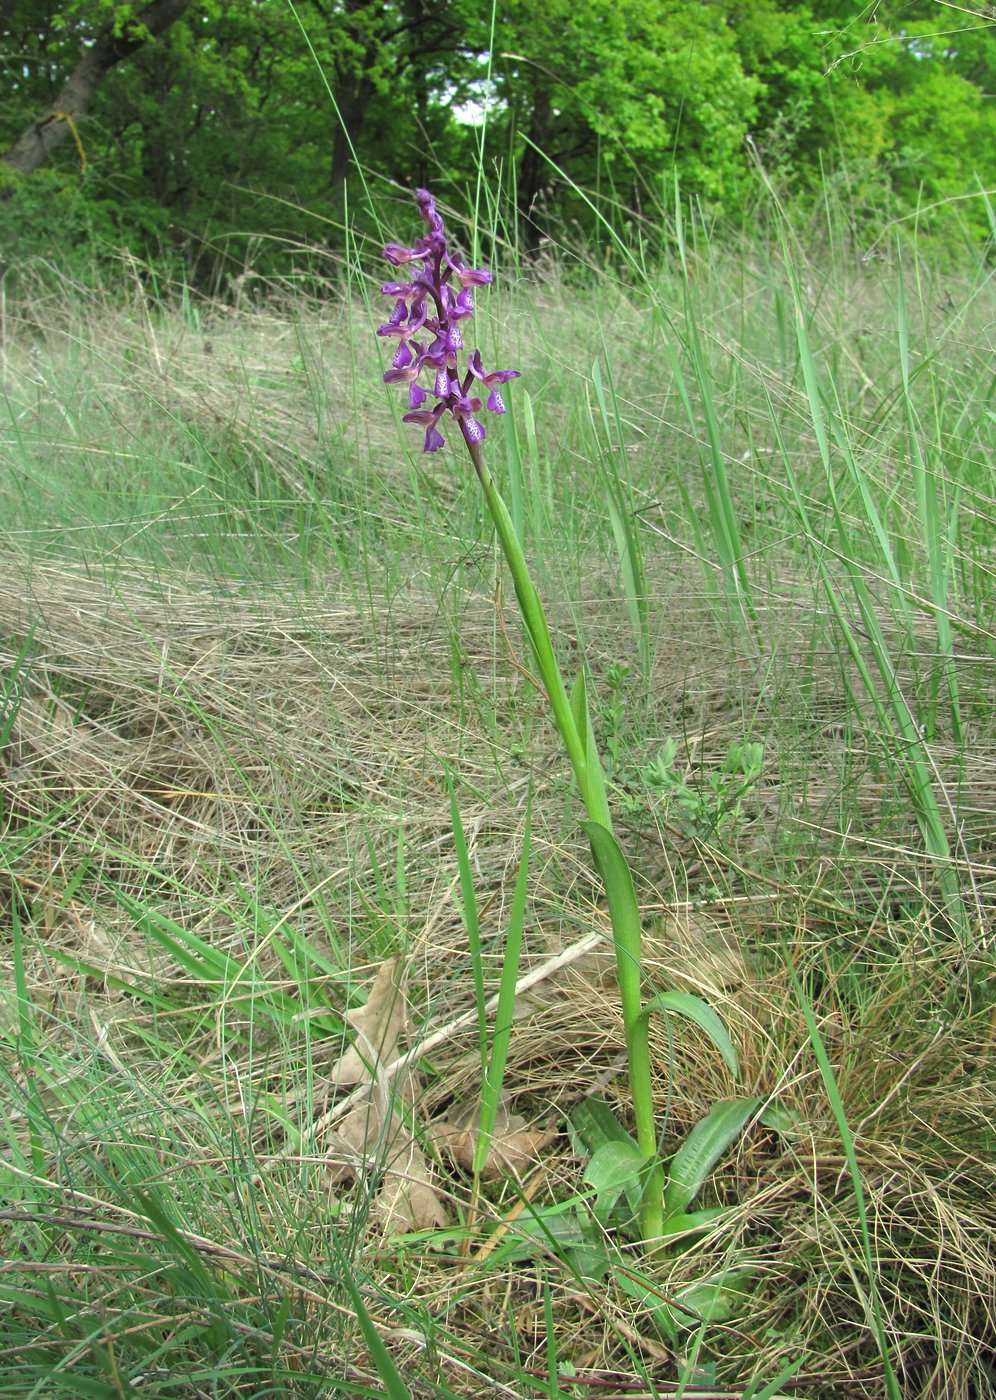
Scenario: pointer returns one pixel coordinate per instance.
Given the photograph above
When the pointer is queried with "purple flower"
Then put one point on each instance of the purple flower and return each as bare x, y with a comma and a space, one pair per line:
498, 376
434, 439
395, 323
397, 255
432, 289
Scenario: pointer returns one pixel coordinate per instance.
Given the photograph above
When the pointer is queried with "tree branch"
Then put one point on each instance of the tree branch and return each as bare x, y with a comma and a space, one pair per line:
111, 47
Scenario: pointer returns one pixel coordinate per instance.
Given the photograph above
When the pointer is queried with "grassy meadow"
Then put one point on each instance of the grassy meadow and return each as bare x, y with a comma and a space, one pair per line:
252, 639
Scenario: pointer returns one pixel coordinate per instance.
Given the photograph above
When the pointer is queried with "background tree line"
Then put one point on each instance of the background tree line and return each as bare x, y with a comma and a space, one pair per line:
217, 131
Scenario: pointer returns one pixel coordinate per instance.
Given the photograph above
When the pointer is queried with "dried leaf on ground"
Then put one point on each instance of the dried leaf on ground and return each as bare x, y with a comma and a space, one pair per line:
379, 1026
356, 1137
407, 1199
374, 1130
514, 1145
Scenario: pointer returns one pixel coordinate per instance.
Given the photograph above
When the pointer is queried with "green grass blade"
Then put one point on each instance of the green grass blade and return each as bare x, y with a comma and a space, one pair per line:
614, 476
235, 982
471, 921
715, 480
516, 476
873, 1305
494, 1074
394, 1386
939, 556
909, 753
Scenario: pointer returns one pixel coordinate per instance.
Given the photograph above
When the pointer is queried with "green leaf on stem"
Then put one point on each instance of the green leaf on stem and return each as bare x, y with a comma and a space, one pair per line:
693, 1008
625, 916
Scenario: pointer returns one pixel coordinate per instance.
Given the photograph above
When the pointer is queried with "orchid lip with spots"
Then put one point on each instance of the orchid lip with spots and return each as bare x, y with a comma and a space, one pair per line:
426, 319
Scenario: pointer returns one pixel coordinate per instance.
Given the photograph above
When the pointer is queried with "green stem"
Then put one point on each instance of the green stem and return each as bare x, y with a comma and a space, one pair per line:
579, 741
539, 635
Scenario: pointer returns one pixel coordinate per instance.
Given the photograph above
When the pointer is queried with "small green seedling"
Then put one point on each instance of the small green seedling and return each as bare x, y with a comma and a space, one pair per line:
714, 808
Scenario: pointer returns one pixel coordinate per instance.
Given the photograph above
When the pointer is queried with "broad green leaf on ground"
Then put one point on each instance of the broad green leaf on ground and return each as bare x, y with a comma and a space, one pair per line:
692, 1164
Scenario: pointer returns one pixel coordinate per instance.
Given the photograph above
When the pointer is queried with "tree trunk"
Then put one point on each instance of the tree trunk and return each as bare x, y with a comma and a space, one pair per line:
48, 131
533, 171
352, 96
361, 24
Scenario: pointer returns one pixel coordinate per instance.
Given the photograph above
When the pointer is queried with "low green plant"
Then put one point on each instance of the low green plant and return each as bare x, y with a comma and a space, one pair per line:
613, 713
714, 808
592, 1231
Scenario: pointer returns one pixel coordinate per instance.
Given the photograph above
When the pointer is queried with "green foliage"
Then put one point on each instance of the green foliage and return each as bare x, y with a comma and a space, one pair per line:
616, 90
50, 214
712, 808
587, 1230
226, 140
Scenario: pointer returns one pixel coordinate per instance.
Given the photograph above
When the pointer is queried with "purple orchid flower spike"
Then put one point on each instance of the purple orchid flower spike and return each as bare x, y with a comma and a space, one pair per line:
432, 287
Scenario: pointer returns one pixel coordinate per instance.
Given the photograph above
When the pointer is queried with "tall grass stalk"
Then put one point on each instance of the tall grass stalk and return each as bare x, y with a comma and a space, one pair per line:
907, 749
617, 490
722, 542
938, 524
874, 1305
725, 532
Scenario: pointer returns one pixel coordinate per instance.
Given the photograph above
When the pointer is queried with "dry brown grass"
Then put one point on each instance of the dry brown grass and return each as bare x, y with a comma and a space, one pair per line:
243, 757
181, 741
